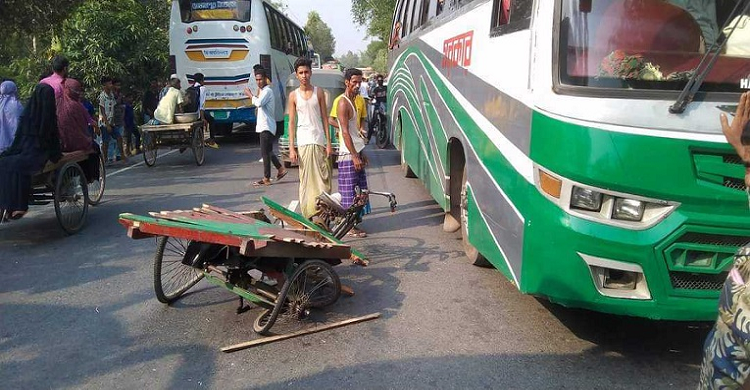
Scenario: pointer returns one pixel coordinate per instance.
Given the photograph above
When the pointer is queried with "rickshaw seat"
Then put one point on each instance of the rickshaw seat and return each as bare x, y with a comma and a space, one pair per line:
67, 157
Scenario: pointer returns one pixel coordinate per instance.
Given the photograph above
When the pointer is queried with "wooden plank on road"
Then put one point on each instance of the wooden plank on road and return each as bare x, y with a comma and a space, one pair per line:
266, 340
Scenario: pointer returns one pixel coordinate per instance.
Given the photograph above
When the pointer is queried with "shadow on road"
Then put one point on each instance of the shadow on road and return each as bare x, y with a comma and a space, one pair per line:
62, 346
495, 371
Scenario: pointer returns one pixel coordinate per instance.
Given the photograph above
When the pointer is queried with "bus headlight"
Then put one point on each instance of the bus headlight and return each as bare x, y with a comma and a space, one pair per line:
628, 209
586, 199
599, 205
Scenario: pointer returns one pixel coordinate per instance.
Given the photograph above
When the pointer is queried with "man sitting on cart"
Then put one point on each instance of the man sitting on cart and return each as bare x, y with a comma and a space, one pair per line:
170, 104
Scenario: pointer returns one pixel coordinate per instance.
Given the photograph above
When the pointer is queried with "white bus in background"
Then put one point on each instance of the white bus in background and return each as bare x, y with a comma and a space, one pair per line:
224, 39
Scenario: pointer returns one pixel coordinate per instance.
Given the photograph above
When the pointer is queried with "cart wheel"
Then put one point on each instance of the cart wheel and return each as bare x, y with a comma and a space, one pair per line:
313, 285
199, 146
171, 277
149, 149
70, 195
96, 187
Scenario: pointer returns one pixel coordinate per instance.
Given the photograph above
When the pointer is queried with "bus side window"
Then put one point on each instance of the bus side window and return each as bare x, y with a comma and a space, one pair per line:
510, 16
271, 21
405, 25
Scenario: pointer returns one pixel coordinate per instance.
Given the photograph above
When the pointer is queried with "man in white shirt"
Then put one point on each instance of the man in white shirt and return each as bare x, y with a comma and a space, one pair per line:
308, 130
265, 125
170, 103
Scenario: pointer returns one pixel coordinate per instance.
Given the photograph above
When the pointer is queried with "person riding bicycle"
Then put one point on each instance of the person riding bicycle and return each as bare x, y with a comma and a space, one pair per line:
380, 96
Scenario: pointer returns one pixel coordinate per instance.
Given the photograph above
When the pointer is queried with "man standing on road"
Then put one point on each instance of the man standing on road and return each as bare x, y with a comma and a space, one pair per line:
352, 160
308, 129
726, 354
208, 120
265, 126
107, 103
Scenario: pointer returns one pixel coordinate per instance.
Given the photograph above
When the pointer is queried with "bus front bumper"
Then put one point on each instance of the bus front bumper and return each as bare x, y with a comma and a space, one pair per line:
674, 270
238, 115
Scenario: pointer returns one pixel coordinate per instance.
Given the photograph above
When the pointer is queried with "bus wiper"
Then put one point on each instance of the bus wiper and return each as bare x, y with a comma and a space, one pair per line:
707, 62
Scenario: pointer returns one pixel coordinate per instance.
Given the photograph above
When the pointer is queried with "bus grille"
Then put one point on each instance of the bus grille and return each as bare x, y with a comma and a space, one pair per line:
733, 182
692, 281
700, 262
715, 239
732, 159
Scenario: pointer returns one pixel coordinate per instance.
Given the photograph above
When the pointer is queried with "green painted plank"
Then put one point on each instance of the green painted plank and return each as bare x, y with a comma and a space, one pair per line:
232, 229
308, 224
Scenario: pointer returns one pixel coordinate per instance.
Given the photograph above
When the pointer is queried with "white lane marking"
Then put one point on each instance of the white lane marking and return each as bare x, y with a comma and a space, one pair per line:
138, 165
293, 205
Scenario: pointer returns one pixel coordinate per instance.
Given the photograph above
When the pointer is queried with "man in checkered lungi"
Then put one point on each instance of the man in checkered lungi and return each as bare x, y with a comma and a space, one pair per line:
351, 160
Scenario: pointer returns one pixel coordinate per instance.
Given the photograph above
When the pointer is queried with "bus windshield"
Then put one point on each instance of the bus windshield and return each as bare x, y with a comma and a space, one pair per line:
204, 10
651, 44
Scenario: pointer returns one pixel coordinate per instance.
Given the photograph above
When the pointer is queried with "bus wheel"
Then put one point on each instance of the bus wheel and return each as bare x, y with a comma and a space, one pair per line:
405, 168
472, 253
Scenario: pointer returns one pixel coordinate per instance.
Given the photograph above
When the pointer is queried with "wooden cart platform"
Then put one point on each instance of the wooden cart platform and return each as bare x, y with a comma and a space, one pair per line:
175, 136
229, 248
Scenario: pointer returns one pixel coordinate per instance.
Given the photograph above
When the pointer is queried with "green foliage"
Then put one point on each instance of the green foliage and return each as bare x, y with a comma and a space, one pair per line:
320, 35
377, 15
124, 38
35, 16
349, 60
380, 63
128, 39
367, 57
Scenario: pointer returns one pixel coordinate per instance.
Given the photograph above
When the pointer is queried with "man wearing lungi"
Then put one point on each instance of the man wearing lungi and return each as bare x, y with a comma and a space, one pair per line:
308, 131
351, 160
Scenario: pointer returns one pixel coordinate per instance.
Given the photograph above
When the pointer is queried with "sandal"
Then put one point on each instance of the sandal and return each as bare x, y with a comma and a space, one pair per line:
16, 215
281, 174
262, 182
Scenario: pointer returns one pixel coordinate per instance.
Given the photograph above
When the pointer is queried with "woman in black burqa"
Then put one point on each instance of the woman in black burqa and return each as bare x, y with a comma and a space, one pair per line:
36, 142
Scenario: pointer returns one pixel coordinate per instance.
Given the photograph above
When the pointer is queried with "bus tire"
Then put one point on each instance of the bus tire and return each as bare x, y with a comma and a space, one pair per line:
471, 252
405, 168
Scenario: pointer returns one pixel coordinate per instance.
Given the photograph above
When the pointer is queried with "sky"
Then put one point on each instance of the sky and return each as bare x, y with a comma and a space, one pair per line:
338, 15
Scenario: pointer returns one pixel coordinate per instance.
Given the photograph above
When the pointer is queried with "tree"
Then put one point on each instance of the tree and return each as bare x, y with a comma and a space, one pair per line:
320, 35
367, 58
35, 16
128, 39
376, 15
349, 60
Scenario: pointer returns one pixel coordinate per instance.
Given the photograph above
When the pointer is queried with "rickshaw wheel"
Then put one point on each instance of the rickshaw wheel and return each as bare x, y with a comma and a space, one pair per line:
149, 149
71, 194
262, 325
313, 285
171, 277
199, 149
96, 187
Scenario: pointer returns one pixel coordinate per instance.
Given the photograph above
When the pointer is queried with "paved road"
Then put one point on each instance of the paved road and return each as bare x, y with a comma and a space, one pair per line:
80, 311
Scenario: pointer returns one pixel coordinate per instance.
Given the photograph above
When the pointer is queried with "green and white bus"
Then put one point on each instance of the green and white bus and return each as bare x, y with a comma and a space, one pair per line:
545, 130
